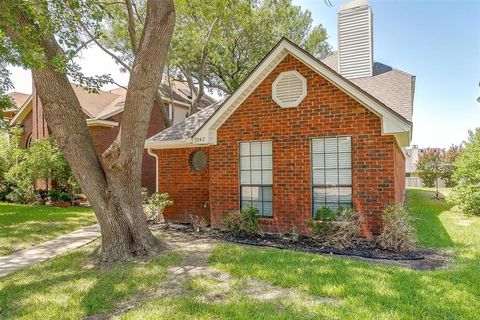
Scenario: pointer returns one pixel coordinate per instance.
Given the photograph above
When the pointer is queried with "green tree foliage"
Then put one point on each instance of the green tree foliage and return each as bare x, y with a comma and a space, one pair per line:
467, 174
438, 164
62, 18
10, 156
449, 158
21, 168
428, 167
217, 43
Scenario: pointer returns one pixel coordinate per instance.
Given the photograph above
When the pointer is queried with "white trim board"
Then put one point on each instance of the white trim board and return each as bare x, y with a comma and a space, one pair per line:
101, 123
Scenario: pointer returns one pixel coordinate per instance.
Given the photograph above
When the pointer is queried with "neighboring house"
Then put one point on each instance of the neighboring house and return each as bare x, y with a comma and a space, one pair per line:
103, 113
298, 134
19, 100
412, 156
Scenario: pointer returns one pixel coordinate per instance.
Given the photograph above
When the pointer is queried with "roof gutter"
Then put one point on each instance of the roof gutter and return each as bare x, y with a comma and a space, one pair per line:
168, 144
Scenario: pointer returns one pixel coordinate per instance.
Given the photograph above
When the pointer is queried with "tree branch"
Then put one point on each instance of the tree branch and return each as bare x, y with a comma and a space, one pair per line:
111, 54
131, 26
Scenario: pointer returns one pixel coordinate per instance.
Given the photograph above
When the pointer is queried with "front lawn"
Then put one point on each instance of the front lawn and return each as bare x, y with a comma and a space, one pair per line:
22, 226
73, 286
351, 289
292, 285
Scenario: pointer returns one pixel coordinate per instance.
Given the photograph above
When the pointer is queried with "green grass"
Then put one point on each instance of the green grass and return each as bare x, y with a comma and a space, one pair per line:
362, 290
72, 286
22, 226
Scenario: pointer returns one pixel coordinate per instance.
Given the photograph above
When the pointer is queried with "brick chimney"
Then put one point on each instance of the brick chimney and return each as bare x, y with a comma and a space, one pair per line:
355, 39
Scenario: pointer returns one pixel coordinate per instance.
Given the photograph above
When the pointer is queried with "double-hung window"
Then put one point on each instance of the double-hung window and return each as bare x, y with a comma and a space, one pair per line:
331, 172
256, 176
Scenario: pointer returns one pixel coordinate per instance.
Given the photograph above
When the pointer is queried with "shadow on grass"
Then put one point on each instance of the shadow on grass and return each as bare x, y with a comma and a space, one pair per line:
73, 286
365, 290
22, 226
426, 210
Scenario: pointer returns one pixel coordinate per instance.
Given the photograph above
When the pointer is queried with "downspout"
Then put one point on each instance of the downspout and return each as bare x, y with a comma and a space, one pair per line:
149, 151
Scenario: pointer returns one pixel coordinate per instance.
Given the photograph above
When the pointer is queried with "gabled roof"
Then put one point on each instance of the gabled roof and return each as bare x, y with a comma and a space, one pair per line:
395, 120
105, 104
392, 87
183, 130
18, 98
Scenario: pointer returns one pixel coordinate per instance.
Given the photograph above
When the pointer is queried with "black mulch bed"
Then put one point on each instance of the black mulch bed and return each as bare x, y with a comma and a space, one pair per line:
420, 258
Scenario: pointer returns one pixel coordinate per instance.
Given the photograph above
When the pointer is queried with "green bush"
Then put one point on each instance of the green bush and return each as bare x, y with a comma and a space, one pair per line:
21, 168
338, 228
397, 234
244, 222
54, 195
65, 196
325, 214
155, 204
467, 174
22, 195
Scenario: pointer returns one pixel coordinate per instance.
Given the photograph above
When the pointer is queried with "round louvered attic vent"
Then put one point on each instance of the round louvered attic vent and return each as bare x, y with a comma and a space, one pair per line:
289, 89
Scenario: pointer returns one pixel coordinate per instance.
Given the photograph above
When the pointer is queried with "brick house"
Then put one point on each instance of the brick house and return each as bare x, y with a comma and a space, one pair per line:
298, 134
103, 113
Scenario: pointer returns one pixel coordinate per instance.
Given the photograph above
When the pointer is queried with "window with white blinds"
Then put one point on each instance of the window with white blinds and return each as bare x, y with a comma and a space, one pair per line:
331, 172
256, 176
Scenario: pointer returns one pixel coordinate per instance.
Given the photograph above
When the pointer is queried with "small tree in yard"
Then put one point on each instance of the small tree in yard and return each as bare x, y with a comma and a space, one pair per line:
467, 174
448, 168
45, 36
155, 204
438, 164
428, 167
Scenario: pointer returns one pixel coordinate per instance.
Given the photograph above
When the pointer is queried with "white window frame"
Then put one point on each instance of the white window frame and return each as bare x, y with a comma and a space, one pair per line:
262, 186
338, 168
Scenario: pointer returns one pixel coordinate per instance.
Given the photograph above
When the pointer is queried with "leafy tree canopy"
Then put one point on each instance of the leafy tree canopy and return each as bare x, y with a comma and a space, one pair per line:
217, 43
467, 173
32, 23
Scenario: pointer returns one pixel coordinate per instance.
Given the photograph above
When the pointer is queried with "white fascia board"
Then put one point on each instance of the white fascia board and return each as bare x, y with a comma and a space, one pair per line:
392, 124
101, 123
22, 112
87, 113
171, 144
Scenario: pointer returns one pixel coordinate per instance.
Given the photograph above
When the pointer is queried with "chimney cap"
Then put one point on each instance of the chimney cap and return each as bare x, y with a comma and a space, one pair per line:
353, 4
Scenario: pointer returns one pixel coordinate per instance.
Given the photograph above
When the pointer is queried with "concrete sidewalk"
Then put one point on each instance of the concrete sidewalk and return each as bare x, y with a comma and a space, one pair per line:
48, 250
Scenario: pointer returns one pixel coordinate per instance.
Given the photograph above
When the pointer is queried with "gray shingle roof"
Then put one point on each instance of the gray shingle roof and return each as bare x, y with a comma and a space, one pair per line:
185, 129
392, 87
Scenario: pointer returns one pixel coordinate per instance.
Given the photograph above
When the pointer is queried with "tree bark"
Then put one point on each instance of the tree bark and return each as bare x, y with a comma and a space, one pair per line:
112, 183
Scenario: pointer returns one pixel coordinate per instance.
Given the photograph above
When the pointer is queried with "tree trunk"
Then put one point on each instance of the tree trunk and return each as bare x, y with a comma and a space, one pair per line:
163, 111
112, 184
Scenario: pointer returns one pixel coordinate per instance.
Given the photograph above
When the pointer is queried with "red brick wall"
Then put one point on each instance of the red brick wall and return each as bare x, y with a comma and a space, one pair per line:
186, 187
399, 175
326, 111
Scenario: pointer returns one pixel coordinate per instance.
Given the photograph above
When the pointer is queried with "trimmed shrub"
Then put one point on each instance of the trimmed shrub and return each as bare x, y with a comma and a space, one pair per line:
346, 229
244, 222
397, 234
199, 223
337, 228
